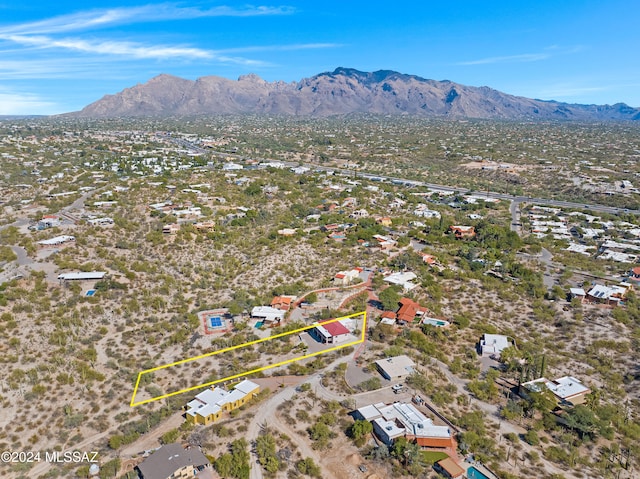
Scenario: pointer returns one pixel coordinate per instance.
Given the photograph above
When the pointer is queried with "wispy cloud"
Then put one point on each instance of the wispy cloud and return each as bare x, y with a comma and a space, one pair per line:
109, 47
50, 33
273, 48
525, 57
548, 52
95, 19
21, 103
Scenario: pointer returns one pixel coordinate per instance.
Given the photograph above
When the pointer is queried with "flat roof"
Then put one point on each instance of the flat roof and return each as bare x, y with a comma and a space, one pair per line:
81, 276
267, 312
567, 387
390, 428
57, 240
371, 411
396, 366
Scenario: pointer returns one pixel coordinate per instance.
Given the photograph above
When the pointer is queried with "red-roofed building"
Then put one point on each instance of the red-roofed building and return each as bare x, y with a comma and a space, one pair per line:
428, 258
409, 309
282, 302
330, 332
344, 278
634, 274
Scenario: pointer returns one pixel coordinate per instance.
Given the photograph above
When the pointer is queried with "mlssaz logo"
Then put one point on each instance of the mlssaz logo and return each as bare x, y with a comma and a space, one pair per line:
71, 456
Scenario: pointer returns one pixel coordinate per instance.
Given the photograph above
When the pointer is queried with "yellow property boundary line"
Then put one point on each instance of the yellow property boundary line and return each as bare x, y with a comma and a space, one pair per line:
246, 373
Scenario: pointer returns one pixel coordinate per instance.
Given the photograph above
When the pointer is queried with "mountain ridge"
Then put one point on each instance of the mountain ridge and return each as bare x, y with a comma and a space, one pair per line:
342, 91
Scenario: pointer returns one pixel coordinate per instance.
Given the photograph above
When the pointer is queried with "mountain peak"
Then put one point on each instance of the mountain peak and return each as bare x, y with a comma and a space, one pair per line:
342, 91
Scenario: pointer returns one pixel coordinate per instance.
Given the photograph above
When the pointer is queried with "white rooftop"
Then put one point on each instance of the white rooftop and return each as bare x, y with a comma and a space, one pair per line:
81, 276
371, 411
267, 312
567, 387
57, 240
494, 343
396, 366
403, 279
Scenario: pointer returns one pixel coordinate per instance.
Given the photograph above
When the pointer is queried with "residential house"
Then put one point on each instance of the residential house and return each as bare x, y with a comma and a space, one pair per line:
362, 213
578, 293
268, 315
388, 317
49, 221
344, 278
428, 258
172, 461
384, 242
282, 302
349, 202
611, 295
331, 332
209, 405
493, 344
402, 279
567, 389
410, 310
105, 221
462, 232
385, 221
425, 212
287, 232
171, 229
395, 367
449, 468
405, 420
204, 226
58, 240
634, 275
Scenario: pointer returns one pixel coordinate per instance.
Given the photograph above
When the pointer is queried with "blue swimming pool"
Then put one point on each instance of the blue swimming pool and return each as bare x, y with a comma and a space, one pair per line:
91, 292
259, 324
473, 473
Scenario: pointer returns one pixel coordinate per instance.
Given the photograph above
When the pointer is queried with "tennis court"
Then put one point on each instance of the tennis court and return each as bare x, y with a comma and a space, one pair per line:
216, 322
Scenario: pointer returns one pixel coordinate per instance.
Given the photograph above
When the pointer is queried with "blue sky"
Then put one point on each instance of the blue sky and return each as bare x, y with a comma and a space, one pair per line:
60, 56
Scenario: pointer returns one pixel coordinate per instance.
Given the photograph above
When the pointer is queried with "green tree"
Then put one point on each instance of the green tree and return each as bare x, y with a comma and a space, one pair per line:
360, 429
390, 297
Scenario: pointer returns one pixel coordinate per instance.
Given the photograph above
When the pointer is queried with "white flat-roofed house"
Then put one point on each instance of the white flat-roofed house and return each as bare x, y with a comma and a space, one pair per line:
82, 276
232, 166
268, 314
402, 279
395, 367
387, 430
100, 221
58, 240
425, 212
493, 344
567, 390
405, 420
370, 412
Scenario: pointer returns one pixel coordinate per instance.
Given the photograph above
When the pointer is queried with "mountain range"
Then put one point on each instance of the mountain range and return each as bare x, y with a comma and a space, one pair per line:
343, 91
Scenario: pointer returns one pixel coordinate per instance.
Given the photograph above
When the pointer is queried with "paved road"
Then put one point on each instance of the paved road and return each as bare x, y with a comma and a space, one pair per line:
433, 186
